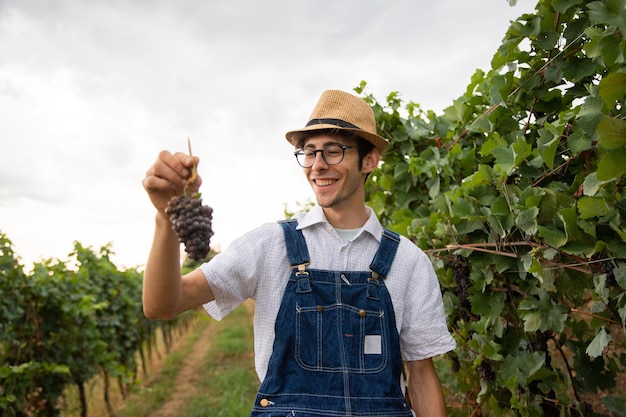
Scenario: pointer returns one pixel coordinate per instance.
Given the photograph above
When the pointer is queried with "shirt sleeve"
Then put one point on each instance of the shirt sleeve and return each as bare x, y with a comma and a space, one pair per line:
424, 331
233, 274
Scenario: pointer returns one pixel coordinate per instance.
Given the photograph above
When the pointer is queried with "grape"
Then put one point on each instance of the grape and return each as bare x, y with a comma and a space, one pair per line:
192, 223
461, 271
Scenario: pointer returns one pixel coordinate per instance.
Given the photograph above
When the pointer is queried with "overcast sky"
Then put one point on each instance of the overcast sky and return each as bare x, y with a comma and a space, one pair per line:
91, 91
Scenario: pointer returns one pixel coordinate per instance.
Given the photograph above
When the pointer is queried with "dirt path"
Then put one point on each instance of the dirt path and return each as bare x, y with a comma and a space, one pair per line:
185, 387
186, 381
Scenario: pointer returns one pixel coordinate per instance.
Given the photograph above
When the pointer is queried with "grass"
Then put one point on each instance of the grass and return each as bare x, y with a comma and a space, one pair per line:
145, 399
229, 382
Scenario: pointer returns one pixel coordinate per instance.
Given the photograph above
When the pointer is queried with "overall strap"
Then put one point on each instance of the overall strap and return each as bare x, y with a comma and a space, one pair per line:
385, 254
297, 250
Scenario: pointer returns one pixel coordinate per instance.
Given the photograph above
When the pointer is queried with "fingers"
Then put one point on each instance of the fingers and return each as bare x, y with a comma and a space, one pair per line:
168, 177
172, 168
154, 184
192, 179
185, 159
175, 169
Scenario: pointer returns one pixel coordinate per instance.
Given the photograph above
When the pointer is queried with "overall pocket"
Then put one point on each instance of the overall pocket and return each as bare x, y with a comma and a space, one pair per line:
339, 338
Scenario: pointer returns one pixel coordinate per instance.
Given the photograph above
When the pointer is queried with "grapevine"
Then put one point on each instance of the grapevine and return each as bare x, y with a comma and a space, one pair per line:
65, 325
516, 192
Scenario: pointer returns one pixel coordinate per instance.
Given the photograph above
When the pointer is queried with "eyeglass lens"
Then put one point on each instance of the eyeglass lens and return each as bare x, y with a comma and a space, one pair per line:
332, 155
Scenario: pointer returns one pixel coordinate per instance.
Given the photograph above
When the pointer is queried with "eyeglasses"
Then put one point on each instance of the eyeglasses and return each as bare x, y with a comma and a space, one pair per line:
331, 154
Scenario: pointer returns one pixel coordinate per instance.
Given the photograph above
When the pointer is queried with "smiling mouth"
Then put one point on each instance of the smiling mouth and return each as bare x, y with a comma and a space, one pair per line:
324, 183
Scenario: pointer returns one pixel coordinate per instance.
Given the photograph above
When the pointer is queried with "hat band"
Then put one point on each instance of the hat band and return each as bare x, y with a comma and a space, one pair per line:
336, 122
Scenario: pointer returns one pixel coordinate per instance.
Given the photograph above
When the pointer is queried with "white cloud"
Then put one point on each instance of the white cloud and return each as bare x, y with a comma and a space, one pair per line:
91, 91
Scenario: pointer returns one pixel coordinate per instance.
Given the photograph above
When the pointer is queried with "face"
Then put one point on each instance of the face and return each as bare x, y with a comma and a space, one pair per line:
338, 186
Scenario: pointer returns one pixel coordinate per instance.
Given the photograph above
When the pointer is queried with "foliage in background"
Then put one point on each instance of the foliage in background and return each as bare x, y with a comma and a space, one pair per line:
191, 265
516, 192
301, 206
63, 325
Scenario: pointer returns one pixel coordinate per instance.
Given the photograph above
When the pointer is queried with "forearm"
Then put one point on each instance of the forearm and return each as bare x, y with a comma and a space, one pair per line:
162, 282
425, 391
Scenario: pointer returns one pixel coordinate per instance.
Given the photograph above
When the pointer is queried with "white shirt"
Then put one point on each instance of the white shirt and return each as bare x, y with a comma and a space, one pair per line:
256, 266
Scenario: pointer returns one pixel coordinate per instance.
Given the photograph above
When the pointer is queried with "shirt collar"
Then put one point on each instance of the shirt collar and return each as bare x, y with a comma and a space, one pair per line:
316, 216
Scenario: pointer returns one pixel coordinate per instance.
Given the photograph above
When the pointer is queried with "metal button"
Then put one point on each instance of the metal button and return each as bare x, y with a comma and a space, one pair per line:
320, 309
362, 313
264, 402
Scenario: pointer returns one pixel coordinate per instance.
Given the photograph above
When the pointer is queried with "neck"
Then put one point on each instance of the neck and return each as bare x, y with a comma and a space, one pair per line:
342, 219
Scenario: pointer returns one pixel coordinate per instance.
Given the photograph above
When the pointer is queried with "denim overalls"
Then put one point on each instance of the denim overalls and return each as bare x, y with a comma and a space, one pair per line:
337, 349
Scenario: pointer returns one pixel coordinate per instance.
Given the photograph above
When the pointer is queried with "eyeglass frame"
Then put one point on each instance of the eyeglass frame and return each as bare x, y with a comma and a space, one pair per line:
322, 151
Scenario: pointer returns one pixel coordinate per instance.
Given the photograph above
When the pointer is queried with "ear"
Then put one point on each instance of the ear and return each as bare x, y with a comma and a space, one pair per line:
370, 161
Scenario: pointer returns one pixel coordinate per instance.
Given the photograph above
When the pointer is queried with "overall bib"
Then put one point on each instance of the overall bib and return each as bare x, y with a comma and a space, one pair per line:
337, 349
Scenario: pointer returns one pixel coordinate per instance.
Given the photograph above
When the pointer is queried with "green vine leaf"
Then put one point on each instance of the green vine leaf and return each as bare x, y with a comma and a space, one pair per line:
612, 167
548, 142
609, 12
598, 344
612, 88
611, 133
543, 315
592, 185
518, 369
589, 207
527, 220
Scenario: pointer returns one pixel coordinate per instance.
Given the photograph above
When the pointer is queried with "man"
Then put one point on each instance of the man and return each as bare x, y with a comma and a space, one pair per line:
340, 301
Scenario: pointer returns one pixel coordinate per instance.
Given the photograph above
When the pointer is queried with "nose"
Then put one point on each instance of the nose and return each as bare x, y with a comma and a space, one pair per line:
319, 162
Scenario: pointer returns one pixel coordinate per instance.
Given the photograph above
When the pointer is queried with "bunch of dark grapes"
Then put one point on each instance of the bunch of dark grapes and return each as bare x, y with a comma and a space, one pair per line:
192, 223
485, 371
461, 271
607, 267
540, 343
603, 264
456, 364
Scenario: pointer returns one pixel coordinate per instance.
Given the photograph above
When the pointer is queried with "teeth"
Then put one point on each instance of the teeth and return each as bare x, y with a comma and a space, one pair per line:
324, 182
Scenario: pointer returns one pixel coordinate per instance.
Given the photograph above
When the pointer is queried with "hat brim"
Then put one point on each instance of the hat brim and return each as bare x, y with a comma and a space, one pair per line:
294, 136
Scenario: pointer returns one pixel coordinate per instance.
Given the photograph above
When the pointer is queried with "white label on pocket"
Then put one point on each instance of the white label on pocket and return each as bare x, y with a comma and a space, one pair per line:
373, 344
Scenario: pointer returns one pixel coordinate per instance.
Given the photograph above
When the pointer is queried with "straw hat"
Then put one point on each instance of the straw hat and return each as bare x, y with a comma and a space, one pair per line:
342, 111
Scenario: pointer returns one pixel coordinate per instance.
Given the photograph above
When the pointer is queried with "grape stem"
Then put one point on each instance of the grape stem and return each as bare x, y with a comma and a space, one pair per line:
194, 174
